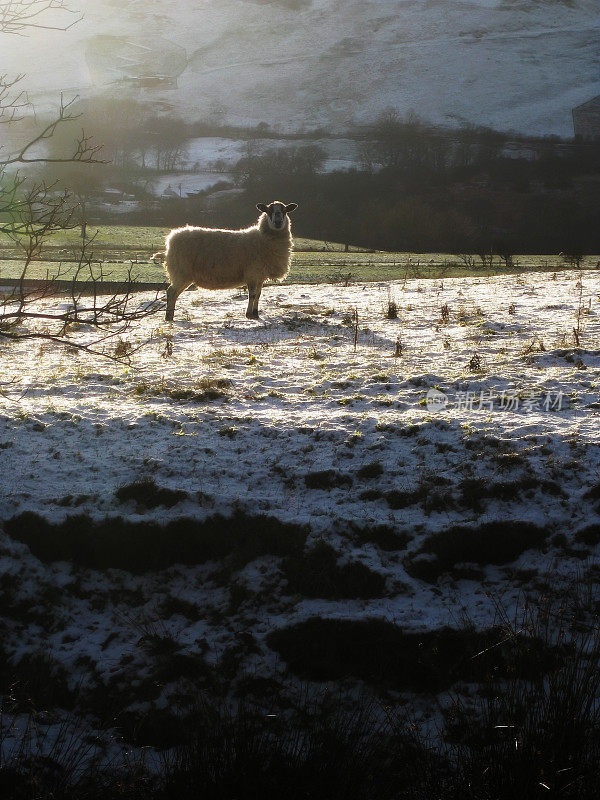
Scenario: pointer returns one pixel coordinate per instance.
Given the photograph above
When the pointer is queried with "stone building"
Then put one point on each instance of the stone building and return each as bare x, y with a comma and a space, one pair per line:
586, 120
148, 64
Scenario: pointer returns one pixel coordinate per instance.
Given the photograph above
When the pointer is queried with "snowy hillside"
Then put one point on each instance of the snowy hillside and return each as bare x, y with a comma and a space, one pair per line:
299, 64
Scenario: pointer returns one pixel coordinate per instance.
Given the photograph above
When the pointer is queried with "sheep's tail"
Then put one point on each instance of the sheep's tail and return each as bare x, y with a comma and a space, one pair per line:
160, 256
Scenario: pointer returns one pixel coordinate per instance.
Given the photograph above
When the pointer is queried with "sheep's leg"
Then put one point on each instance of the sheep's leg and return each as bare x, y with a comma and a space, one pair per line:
173, 293
256, 299
253, 295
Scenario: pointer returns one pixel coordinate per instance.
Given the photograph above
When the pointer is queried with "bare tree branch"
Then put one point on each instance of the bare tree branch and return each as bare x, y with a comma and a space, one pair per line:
32, 210
84, 151
110, 316
11, 103
19, 16
90, 348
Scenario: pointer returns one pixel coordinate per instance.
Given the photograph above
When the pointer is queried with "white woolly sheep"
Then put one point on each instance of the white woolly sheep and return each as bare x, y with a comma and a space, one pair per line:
212, 258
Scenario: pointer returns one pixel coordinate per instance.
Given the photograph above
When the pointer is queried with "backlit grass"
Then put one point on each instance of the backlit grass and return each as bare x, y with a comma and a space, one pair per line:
118, 248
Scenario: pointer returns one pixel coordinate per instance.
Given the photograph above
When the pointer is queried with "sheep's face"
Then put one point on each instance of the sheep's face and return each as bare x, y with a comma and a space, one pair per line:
277, 214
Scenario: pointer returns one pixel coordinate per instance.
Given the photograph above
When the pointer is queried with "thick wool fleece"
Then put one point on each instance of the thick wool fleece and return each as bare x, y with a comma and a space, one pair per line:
213, 258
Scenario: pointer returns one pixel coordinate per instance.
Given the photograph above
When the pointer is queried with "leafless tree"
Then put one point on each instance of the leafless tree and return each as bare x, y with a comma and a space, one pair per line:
467, 259
505, 253
486, 257
31, 210
401, 141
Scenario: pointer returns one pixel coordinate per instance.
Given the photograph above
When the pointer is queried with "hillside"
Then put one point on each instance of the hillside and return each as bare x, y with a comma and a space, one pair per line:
300, 64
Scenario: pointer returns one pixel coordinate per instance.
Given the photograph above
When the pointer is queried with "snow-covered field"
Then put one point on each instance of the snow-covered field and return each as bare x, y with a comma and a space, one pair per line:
211, 160
307, 419
207, 151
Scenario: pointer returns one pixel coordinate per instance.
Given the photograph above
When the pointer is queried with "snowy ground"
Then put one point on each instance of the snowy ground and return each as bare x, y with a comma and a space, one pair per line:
287, 419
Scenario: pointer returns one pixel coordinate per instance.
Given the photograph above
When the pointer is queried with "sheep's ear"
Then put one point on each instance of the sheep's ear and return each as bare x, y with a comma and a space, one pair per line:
291, 207
262, 207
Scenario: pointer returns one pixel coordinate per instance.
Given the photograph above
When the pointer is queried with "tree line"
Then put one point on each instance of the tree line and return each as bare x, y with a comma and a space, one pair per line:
421, 188
416, 187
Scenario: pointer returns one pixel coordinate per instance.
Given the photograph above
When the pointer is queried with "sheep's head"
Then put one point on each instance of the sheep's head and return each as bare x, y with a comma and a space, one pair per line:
277, 213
